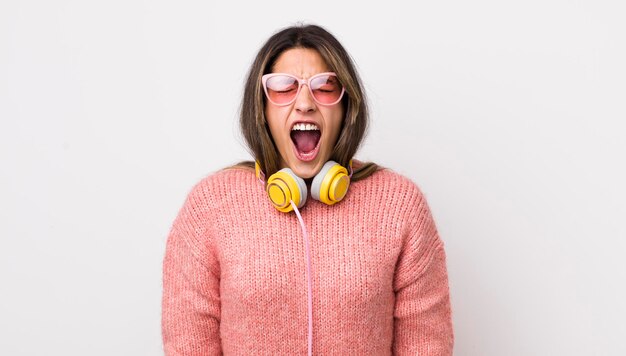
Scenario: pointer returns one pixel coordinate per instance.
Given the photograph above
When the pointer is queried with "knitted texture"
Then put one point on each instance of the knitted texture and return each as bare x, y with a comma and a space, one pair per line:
235, 283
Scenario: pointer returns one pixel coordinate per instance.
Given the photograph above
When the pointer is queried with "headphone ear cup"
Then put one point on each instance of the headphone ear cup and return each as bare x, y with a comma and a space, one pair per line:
283, 187
331, 184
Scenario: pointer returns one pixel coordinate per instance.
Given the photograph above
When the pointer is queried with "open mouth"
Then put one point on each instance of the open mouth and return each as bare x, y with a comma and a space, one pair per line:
306, 140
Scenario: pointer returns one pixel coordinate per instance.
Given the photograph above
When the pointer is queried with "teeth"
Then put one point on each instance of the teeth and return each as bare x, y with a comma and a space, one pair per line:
304, 127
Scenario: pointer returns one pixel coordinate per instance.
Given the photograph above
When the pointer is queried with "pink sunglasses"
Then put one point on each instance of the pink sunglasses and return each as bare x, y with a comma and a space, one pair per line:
282, 89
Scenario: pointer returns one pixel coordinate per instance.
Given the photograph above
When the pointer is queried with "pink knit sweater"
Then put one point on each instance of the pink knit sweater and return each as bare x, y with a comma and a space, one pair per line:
235, 283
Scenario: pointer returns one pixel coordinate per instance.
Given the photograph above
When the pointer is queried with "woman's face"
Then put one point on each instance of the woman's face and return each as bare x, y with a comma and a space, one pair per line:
304, 131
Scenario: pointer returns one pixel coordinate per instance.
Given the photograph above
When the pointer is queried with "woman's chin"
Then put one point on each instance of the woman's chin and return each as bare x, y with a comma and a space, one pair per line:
306, 170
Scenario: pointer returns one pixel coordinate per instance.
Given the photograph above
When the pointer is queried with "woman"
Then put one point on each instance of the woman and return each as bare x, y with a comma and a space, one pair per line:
312, 253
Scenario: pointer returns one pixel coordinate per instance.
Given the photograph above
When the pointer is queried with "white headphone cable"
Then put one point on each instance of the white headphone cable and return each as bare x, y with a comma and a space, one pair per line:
308, 272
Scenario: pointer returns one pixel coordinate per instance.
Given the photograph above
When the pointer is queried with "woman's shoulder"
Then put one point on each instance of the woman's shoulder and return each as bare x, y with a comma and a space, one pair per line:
395, 194
226, 177
390, 189
389, 179
215, 187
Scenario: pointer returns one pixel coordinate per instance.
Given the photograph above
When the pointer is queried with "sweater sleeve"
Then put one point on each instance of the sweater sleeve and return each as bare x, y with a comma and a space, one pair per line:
422, 314
191, 301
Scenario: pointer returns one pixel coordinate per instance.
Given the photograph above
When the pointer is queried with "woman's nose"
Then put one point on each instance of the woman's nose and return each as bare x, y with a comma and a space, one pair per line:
304, 101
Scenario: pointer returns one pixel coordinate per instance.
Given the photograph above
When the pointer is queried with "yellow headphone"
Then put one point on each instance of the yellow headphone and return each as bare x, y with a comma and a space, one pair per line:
329, 186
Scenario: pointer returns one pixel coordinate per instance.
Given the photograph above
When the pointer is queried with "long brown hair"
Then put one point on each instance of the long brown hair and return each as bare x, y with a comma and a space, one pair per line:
252, 112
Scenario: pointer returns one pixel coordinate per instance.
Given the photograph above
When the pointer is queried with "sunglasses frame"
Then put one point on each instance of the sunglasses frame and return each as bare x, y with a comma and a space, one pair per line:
301, 82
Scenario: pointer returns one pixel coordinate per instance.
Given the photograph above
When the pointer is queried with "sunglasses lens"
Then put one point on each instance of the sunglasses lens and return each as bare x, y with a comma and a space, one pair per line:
281, 89
326, 88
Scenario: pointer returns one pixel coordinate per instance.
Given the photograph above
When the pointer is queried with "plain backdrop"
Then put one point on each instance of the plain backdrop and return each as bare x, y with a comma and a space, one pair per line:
508, 115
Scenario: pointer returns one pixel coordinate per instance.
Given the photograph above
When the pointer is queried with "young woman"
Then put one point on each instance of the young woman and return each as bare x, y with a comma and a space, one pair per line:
311, 251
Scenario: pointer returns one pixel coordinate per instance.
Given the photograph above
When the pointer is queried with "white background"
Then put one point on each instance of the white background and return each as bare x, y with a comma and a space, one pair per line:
508, 115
